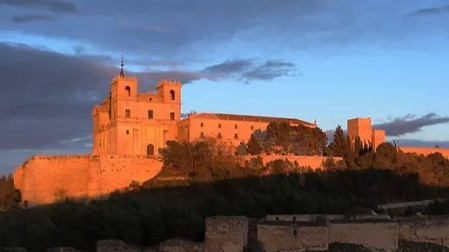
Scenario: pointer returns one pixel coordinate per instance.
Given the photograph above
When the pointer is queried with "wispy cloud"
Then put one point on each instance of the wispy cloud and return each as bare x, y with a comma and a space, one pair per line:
410, 124
53, 6
430, 11
247, 70
32, 18
270, 70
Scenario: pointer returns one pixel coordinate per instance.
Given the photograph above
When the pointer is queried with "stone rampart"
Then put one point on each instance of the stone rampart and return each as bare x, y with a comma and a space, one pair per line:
293, 236
320, 217
314, 162
425, 150
373, 234
226, 234
180, 245
425, 229
48, 179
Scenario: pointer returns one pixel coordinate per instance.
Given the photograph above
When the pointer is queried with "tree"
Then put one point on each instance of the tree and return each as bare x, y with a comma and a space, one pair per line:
254, 147
339, 145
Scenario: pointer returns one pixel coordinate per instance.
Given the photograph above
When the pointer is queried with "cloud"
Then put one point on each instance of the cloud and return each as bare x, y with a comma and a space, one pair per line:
53, 6
52, 101
32, 18
229, 67
270, 70
430, 11
247, 70
410, 124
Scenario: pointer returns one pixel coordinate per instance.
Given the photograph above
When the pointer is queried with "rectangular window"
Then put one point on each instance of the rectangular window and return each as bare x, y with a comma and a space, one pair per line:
172, 116
236, 136
127, 132
150, 114
219, 125
202, 134
219, 136
252, 127
235, 126
127, 113
202, 124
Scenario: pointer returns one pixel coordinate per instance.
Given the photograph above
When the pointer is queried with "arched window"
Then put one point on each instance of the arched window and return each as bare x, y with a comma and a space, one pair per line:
128, 90
150, 150
172, 94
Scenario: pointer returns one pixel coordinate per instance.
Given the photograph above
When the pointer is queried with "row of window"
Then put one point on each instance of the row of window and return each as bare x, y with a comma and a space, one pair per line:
235, 126
236, 136
150, 114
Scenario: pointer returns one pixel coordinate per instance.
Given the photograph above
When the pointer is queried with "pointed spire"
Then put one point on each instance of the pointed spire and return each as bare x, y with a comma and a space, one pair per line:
122, 74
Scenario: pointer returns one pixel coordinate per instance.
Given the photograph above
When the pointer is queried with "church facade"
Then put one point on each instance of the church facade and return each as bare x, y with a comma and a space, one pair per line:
133, 123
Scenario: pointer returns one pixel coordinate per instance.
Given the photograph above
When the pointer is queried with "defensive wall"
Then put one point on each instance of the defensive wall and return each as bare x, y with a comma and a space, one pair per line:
314, 162
230, 234
425, 150
372, 234
425, 229
293, 236
47, 179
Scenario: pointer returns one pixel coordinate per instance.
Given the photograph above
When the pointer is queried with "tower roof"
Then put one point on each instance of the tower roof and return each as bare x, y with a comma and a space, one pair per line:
122, 73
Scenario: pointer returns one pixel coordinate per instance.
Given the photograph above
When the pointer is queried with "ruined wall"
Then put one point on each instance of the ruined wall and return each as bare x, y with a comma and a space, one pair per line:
292, 236
180, 245
425, 229
425, 150
226, 234
47, 179
321, 217
314, 162
380, 235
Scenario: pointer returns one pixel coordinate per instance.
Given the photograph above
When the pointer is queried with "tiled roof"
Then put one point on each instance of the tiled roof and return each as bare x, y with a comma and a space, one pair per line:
251, 118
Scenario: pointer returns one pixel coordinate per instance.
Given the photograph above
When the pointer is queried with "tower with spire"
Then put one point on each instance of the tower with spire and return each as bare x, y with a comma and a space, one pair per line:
122, 73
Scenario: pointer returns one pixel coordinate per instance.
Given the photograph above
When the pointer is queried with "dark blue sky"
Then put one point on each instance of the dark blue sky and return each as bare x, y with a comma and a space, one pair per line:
327, 60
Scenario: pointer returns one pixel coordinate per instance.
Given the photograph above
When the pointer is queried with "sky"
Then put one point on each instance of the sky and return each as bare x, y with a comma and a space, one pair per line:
323, 60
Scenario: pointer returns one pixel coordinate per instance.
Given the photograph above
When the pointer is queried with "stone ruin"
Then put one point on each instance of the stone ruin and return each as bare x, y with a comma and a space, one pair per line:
296, 233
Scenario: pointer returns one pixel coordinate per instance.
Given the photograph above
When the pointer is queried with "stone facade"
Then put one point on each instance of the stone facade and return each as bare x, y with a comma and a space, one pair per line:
226, 234
425, 150
181, 245
133, 123
293, 236
47, 179
423, 229
232, 129
361, 128
379, 235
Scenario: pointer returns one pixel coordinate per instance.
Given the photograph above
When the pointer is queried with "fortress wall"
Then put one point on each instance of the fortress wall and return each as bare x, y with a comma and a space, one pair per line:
291, 236
48, 179
314, 162
425, 150
226, 234
380, 235
117, 172
425, 229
